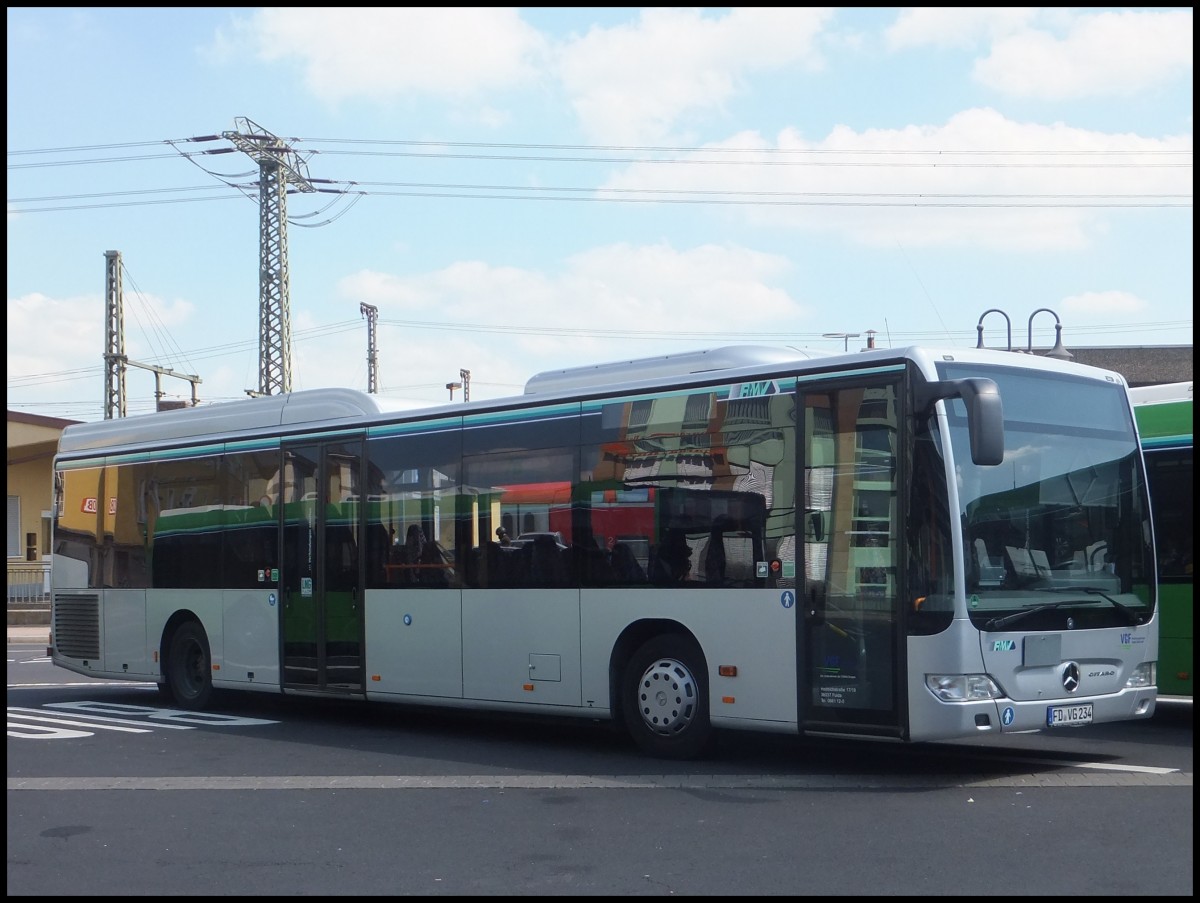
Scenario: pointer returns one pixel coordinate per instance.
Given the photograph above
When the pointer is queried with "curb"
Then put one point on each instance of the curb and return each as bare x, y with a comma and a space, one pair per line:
29, 634
29, 617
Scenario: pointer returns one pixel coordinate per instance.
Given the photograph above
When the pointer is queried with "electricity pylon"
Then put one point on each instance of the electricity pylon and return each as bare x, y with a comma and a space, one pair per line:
278, 167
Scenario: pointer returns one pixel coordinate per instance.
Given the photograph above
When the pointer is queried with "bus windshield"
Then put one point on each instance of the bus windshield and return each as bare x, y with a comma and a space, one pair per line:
1058, 535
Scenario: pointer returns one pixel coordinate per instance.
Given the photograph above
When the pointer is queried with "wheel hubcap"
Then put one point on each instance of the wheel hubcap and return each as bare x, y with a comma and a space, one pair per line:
667, 697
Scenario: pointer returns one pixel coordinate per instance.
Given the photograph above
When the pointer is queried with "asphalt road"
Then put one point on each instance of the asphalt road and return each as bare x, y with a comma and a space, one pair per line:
110, 792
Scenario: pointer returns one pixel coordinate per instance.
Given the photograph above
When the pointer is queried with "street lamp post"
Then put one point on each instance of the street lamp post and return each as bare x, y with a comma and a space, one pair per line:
979, 326
844, 336
1058, 351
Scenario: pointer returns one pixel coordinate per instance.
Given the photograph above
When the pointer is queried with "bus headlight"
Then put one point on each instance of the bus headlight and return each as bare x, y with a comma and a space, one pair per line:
962, 687
1144, 675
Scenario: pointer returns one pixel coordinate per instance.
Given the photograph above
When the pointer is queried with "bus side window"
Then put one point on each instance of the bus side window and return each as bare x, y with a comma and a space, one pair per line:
546, 565
341, 558
672, 560
625, 567
379, 547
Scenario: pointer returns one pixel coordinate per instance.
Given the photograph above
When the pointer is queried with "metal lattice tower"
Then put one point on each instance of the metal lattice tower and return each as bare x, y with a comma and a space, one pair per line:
371, 312
278, 167
115, 360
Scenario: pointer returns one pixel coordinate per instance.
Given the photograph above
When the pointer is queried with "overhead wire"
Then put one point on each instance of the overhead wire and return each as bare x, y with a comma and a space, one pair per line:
854, 157
348, 193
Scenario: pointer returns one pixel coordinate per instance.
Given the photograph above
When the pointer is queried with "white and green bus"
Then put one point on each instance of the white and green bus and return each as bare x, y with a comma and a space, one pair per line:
1164, 419
901, 544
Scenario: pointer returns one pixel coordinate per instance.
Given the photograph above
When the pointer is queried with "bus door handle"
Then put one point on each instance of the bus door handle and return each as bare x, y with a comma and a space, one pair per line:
814, 608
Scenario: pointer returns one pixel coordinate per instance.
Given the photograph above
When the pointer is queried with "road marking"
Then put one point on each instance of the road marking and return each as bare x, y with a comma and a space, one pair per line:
20, 714
1114, 766
101, 717
40, 732
1099, 766
81, 712
593, 782
98, 683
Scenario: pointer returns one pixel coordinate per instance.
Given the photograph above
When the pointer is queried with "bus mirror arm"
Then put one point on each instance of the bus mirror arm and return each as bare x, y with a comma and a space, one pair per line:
985, 413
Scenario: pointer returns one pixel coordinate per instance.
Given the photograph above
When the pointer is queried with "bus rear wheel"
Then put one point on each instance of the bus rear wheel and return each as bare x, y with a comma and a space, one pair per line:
189, 667
665, 702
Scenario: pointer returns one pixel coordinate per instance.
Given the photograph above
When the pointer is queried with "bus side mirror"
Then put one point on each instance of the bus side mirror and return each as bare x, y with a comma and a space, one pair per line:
985, 413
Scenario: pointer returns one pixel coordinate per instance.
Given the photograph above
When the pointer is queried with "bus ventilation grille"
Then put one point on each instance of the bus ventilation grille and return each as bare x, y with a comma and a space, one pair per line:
77, 625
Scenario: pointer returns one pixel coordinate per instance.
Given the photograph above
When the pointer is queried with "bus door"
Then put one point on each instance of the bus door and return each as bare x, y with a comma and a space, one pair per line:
851, 663
322, 572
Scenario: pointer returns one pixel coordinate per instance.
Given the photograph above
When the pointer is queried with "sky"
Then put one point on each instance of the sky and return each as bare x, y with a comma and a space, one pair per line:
518, 189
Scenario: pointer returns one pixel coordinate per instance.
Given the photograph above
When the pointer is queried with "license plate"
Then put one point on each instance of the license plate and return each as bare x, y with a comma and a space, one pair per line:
1068, 715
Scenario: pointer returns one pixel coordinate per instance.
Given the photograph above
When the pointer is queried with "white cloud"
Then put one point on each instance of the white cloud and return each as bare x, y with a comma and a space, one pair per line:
633, 288
1107, 54
78, 324
1104, 304
78, 332
959, 27
72, 365
62, 370
630, 83
588, 311
643, 81
386, 54
1057, 54
978, 179
634, 83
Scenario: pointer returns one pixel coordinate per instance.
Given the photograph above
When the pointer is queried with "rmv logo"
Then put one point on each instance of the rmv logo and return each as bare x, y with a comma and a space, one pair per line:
1004, 645
755, 390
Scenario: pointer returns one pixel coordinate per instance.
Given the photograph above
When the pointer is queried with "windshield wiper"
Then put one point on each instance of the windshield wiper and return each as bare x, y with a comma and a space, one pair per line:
1130, 616
997, 623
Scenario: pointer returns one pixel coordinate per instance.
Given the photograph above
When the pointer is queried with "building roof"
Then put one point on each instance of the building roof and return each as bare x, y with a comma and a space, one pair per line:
1143, 365
38, 420
32, 436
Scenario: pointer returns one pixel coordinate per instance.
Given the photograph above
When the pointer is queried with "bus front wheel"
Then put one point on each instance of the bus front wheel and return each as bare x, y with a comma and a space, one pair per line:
666, 698
189, 667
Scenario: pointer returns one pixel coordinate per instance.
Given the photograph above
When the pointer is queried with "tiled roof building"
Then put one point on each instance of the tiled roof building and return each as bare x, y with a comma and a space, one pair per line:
1142, 365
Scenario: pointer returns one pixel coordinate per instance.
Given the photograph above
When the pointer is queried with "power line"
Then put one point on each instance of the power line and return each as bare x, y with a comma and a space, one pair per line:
355, 190
675, 196
346, 193
940, 153
785, 338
